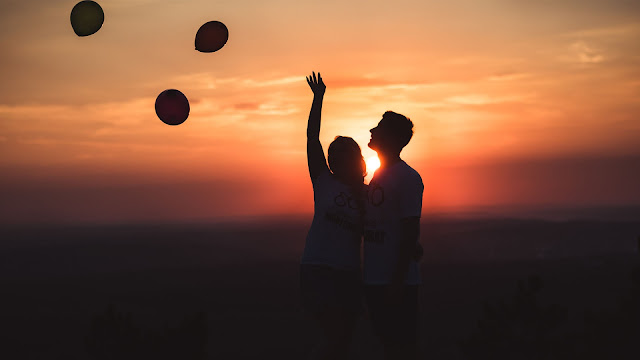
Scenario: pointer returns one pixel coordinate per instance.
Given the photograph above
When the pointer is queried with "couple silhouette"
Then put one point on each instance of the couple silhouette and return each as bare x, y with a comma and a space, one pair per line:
383, 216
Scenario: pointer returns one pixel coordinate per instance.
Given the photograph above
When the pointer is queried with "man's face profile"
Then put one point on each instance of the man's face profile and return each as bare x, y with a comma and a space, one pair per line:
378, 136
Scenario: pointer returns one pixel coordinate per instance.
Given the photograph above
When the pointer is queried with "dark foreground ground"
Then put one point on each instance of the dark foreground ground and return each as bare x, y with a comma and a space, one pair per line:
230, 291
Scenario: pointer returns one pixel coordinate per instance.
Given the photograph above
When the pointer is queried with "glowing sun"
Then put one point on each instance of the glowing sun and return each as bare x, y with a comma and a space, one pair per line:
373, 163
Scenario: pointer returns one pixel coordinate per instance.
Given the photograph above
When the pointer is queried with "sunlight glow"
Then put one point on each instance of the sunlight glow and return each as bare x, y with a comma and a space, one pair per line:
373, 163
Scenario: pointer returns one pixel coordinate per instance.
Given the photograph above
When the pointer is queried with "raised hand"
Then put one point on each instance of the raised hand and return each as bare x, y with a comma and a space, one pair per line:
315, 154
317, 86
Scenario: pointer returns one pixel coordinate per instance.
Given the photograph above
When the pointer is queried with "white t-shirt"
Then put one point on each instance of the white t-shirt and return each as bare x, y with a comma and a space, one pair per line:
336, 230
394, 193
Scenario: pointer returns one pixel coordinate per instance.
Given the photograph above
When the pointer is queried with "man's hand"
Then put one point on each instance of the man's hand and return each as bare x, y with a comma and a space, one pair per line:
317, 86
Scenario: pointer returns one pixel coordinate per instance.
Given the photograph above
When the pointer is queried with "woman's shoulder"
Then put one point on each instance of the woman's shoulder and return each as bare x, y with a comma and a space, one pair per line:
323, 176
326, 182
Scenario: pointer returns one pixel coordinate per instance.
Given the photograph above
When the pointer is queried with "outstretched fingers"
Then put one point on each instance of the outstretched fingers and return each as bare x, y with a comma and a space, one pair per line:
315, 83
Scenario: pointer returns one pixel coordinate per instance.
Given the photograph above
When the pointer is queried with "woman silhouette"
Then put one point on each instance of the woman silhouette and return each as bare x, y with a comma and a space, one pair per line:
330, 266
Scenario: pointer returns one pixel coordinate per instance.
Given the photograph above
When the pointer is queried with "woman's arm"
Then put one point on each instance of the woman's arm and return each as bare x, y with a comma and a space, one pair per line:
315, 155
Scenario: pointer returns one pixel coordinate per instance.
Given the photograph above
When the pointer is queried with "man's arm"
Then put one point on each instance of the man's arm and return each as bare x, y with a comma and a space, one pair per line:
410, 197
409, 235
315, 155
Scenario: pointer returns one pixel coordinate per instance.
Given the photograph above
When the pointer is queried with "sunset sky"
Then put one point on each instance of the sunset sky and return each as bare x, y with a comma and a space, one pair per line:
516, 104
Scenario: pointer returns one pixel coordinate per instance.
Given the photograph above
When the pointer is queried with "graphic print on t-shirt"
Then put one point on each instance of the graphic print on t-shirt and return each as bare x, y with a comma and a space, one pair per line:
342, 220
341, 212
375, 194
375, 198
343, 199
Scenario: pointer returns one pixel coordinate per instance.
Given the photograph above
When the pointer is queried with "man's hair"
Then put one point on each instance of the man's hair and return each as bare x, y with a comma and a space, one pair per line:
400, 127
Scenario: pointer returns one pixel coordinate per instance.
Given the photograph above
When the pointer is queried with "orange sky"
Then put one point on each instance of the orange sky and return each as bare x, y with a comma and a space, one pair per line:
514, 103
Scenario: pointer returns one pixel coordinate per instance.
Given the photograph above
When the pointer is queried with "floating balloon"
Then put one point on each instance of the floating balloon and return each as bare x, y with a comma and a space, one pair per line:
87, 18
211, 37
172, 107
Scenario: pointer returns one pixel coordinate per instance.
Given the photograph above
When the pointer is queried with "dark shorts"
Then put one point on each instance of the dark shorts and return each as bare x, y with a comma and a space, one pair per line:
324, 288
396, 324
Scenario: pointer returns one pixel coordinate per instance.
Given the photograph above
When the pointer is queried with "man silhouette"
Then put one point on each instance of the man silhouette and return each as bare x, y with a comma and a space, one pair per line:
392, 229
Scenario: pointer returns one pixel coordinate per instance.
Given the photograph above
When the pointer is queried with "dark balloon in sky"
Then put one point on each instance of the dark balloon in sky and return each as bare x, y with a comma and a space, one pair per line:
211, 37
87, 18
172, 107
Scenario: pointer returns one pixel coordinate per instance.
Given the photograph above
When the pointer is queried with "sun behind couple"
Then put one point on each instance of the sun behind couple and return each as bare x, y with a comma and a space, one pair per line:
386, 213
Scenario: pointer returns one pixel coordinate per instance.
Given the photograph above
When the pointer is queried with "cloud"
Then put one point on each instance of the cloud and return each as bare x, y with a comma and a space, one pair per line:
246, 106
482, 99
131, 3
245, 109
509, 76
209, 81
271, 82
585, 54
626, 30
71, 118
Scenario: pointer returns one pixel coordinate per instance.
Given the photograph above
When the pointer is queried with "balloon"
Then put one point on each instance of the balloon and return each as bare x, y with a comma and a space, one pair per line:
211, 37
172, 107
87, 18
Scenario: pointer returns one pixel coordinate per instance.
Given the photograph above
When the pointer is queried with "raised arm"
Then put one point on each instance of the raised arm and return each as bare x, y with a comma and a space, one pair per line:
315, 155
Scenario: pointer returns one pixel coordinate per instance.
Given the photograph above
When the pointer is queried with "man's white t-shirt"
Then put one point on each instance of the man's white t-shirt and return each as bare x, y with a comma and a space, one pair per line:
336, 230
394, 193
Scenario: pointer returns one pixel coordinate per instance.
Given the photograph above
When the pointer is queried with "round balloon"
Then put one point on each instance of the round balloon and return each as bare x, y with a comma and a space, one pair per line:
172, 107
211, 37
87, 18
